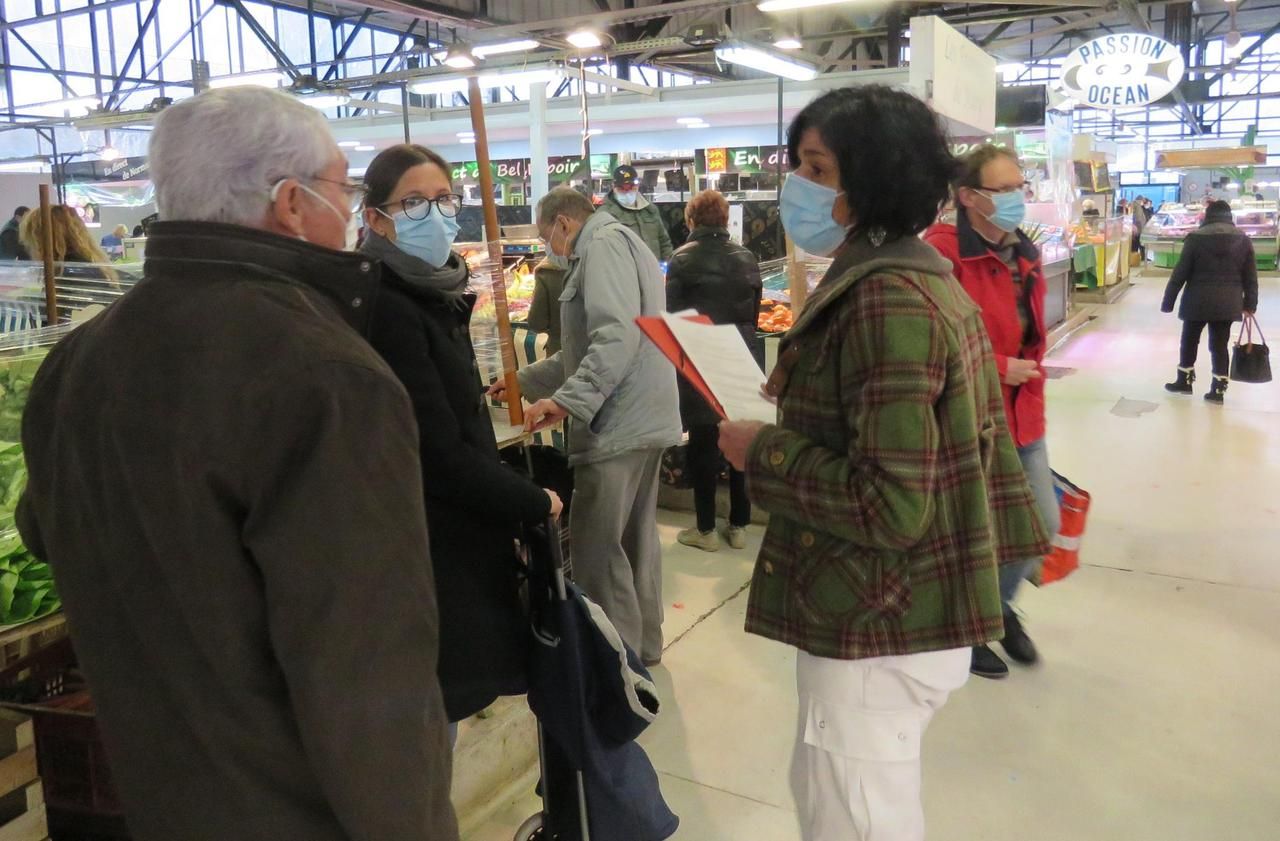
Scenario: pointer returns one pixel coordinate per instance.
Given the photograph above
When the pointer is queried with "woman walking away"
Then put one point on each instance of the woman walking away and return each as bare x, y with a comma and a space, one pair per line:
475, 504
719, 279
1218, 269
1000, 269
893, 487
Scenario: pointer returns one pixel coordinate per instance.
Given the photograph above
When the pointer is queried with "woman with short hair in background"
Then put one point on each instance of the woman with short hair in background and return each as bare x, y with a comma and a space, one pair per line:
721, 280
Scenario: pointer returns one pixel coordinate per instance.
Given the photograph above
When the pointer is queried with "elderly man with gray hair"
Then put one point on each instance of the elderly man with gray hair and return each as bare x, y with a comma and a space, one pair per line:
225, 479
620, 396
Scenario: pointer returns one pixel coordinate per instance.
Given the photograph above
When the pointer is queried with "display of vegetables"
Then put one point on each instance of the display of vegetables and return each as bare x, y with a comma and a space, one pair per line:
16, 374
27, 590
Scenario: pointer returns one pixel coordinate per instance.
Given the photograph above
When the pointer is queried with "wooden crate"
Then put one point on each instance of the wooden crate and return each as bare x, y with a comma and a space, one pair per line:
22, 809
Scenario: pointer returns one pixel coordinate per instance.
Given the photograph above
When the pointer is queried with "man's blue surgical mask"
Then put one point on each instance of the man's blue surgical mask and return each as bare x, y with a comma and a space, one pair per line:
430, 239
627, 199
556, 261
806, 215
1010, 210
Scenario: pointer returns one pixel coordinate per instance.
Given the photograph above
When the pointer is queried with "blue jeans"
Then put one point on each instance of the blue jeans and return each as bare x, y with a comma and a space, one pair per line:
1035, 463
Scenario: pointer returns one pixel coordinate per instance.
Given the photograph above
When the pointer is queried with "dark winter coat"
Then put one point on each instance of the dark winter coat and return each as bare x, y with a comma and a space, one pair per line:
223, 478
1219, 271
474, 503
721, 280
10, 246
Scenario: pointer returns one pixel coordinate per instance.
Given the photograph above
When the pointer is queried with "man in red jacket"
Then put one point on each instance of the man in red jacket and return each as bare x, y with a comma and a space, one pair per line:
1000, 269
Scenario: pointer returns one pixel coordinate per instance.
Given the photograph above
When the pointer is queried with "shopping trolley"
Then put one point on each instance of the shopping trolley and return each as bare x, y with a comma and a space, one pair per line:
592, 697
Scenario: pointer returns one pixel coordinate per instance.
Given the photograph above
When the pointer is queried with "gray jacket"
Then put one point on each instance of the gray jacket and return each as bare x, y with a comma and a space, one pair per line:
619, 390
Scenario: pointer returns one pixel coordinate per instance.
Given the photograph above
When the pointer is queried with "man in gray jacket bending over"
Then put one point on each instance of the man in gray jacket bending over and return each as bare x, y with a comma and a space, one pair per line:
620, 395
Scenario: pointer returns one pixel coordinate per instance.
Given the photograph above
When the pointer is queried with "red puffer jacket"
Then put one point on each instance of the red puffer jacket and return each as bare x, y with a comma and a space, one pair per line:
990, 284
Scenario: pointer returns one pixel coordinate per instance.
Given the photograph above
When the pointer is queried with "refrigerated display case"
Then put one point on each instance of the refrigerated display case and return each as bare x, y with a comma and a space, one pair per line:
1166, 230
1260, 220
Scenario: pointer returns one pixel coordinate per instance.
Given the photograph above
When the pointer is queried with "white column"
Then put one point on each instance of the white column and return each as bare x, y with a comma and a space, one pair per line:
538, 177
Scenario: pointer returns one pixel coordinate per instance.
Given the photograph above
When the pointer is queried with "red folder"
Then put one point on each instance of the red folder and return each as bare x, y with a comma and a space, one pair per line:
660, 334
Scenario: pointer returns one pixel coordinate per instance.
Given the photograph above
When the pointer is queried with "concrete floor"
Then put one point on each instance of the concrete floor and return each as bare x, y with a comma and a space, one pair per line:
1153, 715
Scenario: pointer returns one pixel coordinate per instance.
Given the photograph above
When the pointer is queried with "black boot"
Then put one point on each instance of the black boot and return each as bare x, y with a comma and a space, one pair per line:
1016, 643
1186, 376
1217, 391
986, 663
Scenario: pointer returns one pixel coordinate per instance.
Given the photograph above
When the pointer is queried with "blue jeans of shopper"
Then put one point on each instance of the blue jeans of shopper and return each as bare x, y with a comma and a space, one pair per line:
1035, 463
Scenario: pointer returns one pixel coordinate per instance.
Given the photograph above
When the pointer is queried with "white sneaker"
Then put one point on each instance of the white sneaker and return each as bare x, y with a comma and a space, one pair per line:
707, 541
736, 536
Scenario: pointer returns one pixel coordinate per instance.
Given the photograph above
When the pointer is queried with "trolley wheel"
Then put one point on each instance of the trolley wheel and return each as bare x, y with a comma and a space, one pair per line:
531, 830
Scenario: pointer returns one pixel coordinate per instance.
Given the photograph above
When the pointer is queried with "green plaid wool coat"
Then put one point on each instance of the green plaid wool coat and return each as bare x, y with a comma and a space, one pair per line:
893, 486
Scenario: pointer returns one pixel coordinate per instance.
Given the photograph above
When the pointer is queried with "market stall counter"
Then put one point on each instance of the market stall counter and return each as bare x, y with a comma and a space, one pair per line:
1259, 220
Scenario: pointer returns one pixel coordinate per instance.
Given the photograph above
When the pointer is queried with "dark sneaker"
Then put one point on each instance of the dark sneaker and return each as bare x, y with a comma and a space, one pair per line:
986, 663
1016, 643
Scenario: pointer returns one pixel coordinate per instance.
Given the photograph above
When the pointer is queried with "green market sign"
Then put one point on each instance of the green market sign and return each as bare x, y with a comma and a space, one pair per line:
743, 159
1122, 71
560, 170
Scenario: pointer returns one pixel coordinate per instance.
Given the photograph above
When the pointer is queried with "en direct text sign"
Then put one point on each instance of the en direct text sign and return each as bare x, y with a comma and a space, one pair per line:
1122, 71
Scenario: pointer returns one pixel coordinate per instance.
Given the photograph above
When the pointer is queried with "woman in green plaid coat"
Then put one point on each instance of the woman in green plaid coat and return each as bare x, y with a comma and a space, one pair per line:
893, 487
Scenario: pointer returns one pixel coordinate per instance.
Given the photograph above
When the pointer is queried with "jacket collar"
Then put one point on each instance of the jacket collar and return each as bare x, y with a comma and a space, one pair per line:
348, 279
860, 258
972, 245
709, 232
596, 220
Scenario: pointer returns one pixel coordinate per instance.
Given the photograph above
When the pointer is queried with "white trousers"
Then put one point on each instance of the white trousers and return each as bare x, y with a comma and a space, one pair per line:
856, 769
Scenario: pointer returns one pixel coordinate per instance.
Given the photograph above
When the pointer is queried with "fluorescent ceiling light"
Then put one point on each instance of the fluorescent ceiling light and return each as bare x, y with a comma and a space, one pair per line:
585, 39
788, 5
266, 79
759, 58
348, 144
1233, 186
788, 42
516, 78
519, 78
688, 120
439, 87
326, 99
593, 132
467, 134
109, 153
486, 50
365, 148
697, 125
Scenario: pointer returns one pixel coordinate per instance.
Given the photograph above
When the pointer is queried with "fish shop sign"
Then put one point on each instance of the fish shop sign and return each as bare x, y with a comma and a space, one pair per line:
1122, 71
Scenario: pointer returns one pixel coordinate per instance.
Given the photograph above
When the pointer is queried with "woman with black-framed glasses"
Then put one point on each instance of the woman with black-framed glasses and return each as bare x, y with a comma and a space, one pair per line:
475, 505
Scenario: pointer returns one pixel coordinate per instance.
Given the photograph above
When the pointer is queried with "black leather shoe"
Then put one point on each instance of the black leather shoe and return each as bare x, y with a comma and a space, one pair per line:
1016, 643
986, 663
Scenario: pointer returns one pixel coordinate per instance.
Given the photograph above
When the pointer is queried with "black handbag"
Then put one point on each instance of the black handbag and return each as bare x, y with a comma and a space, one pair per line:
1251, 361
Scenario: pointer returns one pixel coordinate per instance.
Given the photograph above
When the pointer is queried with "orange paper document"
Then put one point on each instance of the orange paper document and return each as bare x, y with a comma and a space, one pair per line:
715, 360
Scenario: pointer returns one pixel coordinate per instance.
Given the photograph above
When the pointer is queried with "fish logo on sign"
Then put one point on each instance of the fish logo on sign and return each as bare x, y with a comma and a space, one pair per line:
1122, 71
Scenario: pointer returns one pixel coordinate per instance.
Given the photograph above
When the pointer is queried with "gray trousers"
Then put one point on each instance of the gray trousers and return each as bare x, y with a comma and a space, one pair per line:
617, 555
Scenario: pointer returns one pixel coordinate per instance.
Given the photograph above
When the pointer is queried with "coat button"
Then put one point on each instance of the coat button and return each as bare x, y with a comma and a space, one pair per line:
366, 266
768, 568
822, 725
356, 302
806, 539
777, 457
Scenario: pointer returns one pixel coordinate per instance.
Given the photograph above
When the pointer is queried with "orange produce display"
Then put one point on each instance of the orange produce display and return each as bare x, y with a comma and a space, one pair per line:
775, 317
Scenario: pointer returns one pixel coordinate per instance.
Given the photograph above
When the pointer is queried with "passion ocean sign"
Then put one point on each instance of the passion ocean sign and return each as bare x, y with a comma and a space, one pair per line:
1122, 71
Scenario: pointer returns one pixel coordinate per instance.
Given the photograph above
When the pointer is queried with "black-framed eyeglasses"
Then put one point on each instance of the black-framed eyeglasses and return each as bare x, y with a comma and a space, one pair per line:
353, 190
418, 208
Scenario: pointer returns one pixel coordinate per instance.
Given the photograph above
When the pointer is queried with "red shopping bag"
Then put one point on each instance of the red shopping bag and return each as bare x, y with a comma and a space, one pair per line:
1064, 555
